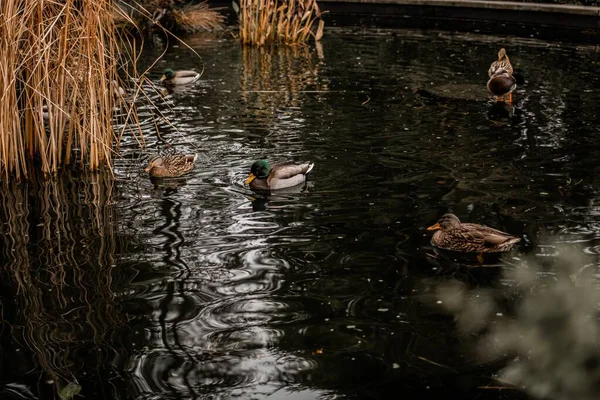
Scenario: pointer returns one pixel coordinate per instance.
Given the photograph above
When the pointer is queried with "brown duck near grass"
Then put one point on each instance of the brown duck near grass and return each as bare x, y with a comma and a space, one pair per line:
470, 238
171, 165
501, 82
264, 177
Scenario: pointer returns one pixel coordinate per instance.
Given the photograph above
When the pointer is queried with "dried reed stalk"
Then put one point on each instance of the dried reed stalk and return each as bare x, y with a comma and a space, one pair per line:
287, 21
62, 56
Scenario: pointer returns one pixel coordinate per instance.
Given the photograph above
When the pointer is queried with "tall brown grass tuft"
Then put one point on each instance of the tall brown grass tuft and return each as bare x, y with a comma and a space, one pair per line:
173, 15
62, 57
198, 17
287, 21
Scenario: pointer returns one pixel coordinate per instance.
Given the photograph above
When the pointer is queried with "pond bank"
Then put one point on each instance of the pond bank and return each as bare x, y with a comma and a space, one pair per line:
548, 21
493, 5
540, 20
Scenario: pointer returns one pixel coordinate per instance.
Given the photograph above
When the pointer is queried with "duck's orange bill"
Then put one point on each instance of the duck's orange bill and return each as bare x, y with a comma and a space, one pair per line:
148, 168
434, 227
250, 178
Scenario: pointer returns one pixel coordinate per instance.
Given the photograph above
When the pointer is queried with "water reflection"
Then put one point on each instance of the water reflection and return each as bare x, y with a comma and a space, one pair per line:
275, 78
328, 291
502, 113
59, 250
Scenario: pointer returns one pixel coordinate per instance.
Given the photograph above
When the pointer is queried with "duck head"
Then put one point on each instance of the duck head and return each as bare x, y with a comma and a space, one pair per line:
167, 74
260, 169
447, 222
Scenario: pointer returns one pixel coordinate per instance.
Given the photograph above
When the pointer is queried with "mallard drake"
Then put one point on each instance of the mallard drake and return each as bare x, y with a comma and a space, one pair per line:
171, 165
180, 77
501, 82
263, 177
470, 238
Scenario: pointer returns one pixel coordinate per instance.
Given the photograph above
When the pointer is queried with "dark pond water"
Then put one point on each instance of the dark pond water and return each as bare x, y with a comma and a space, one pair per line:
199, 289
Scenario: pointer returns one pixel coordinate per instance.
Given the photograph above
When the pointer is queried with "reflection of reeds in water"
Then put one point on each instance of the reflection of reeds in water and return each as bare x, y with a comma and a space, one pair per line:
288, 21
59, 242
277, 77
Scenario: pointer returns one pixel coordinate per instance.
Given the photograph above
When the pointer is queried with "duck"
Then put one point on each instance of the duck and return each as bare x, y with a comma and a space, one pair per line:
179, 77
470, 238
501, 82
171, 165
264, 177
117, 90
46, 113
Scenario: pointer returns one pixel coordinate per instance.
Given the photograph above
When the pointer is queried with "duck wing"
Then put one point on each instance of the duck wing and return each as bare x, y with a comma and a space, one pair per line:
184, 77
180, 159
186, 74
288, 175
289, 170
469, 236
500, 66
486, 236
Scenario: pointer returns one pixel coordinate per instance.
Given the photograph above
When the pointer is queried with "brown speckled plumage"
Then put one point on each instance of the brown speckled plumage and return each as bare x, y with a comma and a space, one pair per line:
171, 165
503, 63
501, 82
453, 235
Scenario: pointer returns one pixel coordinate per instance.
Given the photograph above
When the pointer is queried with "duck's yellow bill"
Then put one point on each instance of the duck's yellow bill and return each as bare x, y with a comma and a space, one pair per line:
250, 178
162, 78
434, 227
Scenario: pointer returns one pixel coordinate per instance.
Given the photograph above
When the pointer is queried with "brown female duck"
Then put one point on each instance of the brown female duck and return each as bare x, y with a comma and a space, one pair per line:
171, 165
501, 82
263, 177
470, 238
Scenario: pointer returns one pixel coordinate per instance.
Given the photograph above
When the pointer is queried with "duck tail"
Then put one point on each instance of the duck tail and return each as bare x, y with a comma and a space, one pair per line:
310, 167
512, 241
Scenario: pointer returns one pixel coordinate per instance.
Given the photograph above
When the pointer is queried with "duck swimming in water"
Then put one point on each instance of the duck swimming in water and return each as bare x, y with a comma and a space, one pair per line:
180, 77
264, 177
451, 234
501, 82
171, 165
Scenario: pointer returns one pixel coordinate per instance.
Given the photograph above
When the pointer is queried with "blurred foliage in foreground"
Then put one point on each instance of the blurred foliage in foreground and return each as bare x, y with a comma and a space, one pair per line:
545, 322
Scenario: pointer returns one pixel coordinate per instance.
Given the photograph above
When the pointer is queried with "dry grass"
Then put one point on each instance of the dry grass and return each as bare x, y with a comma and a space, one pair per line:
61, 56
61, 62
198, 17
173, 15
287, 21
